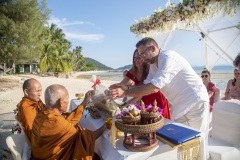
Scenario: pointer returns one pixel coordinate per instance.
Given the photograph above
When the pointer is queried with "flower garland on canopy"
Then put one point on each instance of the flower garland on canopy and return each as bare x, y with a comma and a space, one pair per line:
187, 12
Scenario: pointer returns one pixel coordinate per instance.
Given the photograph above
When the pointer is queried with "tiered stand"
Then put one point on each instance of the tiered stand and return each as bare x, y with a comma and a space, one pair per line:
143, 126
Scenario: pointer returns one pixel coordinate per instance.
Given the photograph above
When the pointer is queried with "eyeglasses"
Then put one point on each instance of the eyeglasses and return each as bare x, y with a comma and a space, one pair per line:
204, 76
143, 54
136, 58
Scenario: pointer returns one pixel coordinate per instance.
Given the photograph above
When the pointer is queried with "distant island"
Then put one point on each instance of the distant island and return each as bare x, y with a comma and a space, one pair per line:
100, 66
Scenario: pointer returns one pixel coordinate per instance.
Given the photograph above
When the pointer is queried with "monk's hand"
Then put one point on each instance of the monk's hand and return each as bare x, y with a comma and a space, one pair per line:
88, 96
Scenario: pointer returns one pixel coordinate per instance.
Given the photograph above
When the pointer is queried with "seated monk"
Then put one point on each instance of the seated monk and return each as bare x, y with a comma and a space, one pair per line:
58, 136
30, 105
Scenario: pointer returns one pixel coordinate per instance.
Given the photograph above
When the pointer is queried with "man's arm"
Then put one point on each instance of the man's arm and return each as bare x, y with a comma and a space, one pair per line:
119, 91
142, 90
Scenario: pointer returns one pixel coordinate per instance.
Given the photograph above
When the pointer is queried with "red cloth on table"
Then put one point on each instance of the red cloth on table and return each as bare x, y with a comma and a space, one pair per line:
162, 102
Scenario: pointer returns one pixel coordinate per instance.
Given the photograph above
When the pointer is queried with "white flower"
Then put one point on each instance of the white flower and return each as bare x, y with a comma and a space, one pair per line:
125, 109
171, 14
168, 13
131, 107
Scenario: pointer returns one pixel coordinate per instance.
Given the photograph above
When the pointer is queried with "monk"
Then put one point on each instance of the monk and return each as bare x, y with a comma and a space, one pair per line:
30, 105
56, 135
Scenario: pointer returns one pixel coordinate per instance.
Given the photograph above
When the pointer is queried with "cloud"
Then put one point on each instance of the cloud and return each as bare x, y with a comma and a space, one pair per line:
67, 28
84, 37
62, 23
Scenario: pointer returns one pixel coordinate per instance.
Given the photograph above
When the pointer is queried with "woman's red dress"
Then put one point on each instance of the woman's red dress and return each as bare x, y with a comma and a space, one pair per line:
162, 102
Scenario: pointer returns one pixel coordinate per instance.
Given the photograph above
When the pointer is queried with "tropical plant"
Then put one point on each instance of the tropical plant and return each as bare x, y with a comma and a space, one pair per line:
21, 26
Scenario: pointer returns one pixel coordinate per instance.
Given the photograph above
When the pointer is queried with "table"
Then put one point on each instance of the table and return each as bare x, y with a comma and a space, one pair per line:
104, 149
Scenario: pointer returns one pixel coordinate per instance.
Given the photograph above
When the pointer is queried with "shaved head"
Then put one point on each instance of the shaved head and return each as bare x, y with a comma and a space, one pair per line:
32, 89
54, 94
27, 83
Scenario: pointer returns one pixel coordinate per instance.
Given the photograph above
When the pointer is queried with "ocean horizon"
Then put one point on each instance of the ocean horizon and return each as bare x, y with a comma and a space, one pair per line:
117, 75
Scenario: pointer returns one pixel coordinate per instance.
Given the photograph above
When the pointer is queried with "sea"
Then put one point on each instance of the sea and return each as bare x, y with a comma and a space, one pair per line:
117, 75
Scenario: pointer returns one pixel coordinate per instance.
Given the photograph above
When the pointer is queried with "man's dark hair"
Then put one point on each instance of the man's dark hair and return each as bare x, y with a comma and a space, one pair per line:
236, 62
205, 70
147, 40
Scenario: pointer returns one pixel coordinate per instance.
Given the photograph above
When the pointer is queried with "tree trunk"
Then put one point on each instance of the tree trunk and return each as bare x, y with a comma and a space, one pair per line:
30, 67
4, 68
14, 68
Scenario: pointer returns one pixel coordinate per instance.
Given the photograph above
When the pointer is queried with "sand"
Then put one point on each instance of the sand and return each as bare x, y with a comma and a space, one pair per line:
11, 86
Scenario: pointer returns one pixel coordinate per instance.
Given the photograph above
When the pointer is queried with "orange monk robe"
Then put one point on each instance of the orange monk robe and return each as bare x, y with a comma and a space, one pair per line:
57, 136
27, 111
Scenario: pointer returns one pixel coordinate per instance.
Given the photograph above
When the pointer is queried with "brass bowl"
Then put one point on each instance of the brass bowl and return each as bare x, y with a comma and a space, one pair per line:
130, 120
150, 115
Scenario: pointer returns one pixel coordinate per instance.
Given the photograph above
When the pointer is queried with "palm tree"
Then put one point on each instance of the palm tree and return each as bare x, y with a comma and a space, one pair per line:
79, 61
48, 59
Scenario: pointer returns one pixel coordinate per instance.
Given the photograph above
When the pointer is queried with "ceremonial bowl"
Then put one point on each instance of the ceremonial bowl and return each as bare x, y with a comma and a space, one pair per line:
140, 128
131, 120
139, 132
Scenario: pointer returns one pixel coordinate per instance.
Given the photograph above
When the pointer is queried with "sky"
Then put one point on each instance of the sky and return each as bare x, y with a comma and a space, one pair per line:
102, 29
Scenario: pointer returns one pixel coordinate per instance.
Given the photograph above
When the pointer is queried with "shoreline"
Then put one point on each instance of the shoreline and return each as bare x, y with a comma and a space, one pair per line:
11, 90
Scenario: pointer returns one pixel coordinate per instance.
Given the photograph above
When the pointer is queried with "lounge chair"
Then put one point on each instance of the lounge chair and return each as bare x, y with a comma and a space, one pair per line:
224, 141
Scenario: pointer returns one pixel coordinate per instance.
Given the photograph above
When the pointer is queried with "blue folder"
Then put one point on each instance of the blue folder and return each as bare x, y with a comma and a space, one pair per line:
177, 134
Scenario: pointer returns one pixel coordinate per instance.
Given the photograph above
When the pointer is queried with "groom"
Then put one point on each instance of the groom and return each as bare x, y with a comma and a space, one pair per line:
174, 77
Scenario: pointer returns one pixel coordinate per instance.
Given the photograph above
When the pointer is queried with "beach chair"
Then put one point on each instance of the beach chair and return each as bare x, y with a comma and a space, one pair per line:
224, 142
17, 145
26, 144
216, 99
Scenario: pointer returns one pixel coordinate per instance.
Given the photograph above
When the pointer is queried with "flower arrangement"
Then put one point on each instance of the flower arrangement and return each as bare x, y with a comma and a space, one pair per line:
92, 111
134, 110
187, 12
16, 129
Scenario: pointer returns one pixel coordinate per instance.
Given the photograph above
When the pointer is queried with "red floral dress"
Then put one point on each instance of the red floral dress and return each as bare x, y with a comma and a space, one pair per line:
149, 99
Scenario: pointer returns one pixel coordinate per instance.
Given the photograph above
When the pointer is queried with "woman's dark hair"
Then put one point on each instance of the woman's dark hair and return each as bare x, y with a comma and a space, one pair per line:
145, 68
234, 79
236, 61
205, 70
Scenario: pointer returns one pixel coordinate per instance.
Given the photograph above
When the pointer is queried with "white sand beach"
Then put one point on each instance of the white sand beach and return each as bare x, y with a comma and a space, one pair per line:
11, 86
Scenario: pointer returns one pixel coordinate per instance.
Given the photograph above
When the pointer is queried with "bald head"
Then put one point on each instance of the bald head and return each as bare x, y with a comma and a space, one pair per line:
32, 89
56, 96
28, 83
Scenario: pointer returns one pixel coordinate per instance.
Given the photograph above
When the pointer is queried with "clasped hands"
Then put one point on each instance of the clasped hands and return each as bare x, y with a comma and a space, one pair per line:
117, 91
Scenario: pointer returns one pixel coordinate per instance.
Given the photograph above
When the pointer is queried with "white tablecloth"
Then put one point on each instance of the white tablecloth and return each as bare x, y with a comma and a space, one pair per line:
104, 149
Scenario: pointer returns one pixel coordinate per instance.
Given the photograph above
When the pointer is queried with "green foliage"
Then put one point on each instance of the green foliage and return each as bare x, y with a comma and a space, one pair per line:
21, 26
55, 53
98, 65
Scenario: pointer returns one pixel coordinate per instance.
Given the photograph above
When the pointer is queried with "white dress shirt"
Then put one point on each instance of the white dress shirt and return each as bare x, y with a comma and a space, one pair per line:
177, 80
